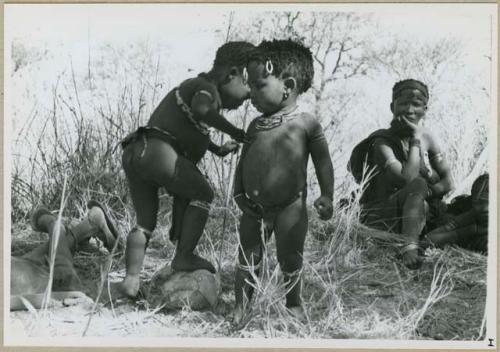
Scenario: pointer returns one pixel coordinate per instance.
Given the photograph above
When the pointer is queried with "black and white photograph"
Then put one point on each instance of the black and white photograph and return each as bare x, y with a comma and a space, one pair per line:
250, 175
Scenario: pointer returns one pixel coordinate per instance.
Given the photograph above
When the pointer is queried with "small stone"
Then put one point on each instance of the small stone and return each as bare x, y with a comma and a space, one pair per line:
175, 289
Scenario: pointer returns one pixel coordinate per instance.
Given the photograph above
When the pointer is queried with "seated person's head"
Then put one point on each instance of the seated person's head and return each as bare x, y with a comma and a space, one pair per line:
278, 72
228, 70
479, 198
409, 100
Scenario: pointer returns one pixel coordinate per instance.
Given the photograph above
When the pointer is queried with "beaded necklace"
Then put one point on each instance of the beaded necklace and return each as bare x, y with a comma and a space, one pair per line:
270, 122
202, 127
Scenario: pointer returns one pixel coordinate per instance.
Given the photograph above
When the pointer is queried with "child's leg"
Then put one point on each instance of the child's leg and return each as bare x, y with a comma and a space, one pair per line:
144, 196
249, 258
189, 183
290, 232
178, 209
65, 277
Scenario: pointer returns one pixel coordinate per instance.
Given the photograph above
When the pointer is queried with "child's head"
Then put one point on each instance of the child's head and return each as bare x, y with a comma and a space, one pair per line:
479, 197
278, 72
409, 100
229, 65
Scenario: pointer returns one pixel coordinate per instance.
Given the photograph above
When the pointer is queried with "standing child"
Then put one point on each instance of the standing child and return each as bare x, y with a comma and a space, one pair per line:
165, 153
271, 177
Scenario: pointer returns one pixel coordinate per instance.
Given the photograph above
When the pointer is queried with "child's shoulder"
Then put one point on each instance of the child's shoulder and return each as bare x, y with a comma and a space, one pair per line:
200, 83
309, 121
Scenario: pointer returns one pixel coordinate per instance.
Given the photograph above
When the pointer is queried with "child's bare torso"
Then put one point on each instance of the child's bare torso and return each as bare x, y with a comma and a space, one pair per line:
275, 165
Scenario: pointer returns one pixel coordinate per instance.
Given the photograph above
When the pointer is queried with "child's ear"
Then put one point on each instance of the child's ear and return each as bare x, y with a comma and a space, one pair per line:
290, 84
234, 72
391, 106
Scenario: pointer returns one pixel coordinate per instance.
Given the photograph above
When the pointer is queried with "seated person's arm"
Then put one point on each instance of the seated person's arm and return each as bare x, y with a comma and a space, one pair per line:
318, 147
396, 174
439, 164
204, 108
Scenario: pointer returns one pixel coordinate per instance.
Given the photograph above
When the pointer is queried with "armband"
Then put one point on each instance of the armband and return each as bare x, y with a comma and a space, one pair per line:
414, 142
409, 247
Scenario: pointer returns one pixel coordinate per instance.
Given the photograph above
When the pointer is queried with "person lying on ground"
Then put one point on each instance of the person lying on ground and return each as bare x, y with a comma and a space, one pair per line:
29, 277
467, 228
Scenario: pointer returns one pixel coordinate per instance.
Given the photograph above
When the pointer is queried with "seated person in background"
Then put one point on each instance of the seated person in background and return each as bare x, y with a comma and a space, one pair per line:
410, 173
467, 228
271, 177
30, 273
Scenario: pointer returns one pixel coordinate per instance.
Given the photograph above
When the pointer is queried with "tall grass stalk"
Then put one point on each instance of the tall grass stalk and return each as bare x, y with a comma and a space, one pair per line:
53, 248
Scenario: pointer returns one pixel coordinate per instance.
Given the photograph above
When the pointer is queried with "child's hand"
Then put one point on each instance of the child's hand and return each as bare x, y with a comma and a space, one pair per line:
240, 136
228, 147
247, 206
324, 207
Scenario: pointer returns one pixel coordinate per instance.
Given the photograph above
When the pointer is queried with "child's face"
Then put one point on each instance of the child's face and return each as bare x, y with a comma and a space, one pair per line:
266, 90
410, 103
234, 91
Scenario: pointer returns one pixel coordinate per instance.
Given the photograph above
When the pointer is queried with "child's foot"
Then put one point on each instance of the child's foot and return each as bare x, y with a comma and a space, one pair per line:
36, 214
238, 314
129, 287
191, 262
98, 217
298, 313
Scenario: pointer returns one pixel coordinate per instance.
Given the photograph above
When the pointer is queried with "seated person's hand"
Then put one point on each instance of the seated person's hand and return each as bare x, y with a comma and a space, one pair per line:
324, 207
247, 206
228, 147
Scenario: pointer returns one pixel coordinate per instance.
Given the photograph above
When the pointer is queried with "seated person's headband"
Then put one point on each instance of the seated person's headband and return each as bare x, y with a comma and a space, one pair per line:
410, 84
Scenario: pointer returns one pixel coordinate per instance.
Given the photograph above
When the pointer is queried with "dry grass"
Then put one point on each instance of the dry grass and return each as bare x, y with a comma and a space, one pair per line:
354, 286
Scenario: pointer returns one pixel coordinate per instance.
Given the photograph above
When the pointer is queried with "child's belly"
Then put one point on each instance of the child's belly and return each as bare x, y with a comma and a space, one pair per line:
274, 168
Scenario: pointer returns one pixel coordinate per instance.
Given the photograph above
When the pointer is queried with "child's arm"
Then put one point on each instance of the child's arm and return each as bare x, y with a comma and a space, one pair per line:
223, 150
320, 155
439, 164
239, 195
205, 109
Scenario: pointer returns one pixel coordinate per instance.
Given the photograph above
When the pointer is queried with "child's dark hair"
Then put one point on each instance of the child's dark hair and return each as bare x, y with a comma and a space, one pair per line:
288, 59
411, 84
233, 54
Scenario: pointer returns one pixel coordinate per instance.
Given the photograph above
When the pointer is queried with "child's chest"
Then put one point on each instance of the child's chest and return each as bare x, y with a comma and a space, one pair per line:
287, 136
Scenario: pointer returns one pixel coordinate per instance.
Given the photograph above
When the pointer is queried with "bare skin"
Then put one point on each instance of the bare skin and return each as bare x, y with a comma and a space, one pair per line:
30, 273
269, 180
409, 110
161, 165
